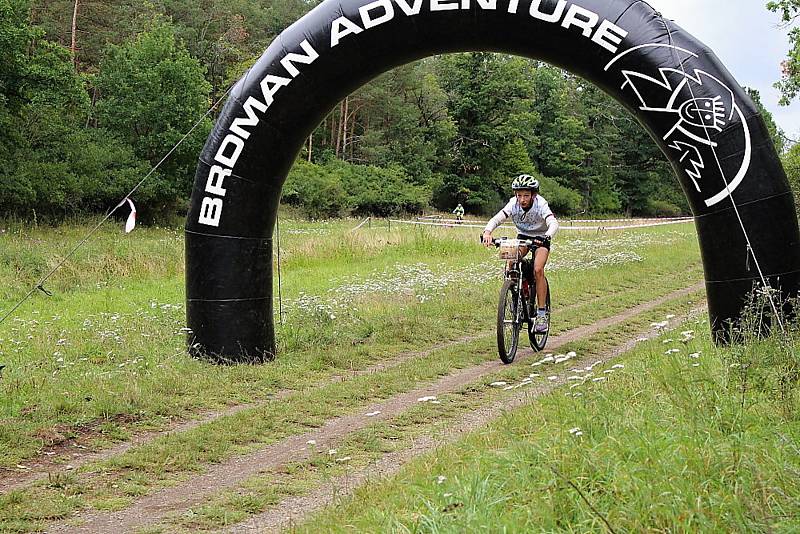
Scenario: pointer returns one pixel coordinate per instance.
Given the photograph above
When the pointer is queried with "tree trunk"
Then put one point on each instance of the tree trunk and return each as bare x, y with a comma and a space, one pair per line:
91, 108
352, 134
331, 139
339, 129
344, 127
73, 45
310, 145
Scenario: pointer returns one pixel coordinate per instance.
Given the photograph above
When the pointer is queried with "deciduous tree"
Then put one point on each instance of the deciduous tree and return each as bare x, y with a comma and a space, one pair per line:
151, 93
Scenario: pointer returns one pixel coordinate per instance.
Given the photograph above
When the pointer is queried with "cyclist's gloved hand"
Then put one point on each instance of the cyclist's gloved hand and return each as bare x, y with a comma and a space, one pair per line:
541, 240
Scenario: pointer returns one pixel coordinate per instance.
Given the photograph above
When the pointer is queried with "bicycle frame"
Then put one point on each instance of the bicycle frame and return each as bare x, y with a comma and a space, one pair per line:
515, 274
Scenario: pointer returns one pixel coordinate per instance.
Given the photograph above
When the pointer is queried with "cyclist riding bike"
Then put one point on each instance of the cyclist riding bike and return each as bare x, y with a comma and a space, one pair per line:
534, 221
459, 212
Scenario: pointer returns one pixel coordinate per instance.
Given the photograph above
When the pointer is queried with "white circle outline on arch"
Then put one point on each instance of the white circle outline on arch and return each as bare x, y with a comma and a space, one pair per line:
748, 149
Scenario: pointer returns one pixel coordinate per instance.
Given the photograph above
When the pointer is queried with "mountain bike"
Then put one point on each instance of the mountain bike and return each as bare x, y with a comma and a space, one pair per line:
517, 301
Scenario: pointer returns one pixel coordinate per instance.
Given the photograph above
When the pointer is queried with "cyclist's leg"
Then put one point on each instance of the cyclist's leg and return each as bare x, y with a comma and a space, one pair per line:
541, 254
523, 251
527, 274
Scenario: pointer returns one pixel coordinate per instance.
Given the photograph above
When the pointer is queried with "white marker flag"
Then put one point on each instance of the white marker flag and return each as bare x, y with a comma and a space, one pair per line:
131, 222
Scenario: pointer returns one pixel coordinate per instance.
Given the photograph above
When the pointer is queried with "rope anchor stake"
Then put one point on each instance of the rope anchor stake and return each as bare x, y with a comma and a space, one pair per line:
41, 288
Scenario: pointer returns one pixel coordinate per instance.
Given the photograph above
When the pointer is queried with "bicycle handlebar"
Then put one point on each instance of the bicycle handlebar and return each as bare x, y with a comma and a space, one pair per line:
499, 240
496, 241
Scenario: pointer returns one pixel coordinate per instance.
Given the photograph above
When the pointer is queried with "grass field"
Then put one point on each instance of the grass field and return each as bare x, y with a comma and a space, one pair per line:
108, 348
103, 360
678, 437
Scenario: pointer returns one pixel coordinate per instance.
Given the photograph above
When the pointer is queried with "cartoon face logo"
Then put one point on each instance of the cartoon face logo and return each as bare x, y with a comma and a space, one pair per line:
704, 113
700, 106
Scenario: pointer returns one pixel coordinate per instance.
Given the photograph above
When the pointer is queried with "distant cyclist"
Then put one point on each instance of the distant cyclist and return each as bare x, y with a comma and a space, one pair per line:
534, 220
459, 212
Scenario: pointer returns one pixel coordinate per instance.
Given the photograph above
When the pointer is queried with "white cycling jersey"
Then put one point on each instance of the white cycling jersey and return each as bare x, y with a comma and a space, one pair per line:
538, 220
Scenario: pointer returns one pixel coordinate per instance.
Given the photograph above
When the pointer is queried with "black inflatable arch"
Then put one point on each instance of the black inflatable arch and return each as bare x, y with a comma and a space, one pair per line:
675, 86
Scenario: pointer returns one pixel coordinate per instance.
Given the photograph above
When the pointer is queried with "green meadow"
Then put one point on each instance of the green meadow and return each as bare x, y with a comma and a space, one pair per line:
664, 444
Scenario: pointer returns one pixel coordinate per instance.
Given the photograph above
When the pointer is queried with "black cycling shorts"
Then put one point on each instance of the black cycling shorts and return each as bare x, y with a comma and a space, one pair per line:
534, 247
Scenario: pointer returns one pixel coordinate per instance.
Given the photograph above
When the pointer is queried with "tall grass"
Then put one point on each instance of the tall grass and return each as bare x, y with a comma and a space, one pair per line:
686, 437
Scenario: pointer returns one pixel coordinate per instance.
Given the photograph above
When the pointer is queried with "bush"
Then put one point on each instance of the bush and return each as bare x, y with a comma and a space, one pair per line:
604, 197
317, 191
70, 171
661, 208
478, 194
151, 93
483, 202
339, 188
562, 200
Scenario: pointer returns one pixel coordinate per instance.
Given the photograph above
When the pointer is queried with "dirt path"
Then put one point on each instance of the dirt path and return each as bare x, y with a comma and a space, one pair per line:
152, 508
74, 454
294, 509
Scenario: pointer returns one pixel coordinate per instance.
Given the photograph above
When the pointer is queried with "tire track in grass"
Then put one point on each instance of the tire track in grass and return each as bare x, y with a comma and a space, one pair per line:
192, 491
20, 480
294, 510
78, 457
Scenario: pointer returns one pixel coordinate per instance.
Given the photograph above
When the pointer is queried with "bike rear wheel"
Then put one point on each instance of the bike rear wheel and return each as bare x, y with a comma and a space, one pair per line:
509, 322
539, 339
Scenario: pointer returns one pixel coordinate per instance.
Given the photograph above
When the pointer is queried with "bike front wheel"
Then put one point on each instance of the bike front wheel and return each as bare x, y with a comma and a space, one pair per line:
509, 322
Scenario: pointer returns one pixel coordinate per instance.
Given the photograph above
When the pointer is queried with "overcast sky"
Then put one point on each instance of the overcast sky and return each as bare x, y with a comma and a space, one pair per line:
746, 37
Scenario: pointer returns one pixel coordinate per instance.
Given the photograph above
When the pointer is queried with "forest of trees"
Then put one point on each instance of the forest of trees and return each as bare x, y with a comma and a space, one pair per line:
93, 93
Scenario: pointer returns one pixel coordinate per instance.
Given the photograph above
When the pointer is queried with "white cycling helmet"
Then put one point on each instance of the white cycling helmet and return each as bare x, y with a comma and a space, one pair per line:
525, 181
